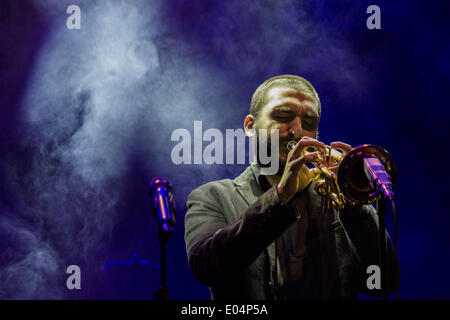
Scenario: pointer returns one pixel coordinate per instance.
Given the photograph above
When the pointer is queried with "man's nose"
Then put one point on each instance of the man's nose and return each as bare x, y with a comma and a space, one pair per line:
295, 127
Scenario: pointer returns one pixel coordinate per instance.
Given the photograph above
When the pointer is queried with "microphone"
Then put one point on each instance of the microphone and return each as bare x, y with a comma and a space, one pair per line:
161, 194
379, 178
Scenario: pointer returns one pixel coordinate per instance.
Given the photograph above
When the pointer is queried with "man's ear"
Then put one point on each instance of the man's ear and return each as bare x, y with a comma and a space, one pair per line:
249, 126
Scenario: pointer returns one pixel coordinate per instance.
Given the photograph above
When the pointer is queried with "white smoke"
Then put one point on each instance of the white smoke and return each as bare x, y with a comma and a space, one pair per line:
118, 87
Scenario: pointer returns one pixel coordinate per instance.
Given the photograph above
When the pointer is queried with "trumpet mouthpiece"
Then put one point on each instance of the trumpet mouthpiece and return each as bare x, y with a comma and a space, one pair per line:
291, 145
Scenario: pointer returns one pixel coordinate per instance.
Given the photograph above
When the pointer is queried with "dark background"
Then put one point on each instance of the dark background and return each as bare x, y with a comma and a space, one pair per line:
87, 115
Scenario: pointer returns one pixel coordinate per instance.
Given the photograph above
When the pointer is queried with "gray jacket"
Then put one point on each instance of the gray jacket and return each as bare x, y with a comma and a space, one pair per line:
231, 227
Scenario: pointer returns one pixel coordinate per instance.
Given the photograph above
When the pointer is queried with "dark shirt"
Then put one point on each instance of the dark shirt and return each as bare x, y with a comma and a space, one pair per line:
306, 264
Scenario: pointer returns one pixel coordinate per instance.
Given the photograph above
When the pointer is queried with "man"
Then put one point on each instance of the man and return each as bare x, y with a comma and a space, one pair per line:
269, 237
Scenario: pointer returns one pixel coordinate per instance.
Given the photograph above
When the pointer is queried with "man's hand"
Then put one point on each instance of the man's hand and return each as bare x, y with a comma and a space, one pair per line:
342, 146
296, 175
345, 148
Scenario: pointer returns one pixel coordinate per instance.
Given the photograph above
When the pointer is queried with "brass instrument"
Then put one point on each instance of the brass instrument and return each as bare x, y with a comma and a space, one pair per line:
339, 176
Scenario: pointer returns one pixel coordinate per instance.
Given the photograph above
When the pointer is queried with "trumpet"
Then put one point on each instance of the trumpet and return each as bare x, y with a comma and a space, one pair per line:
339, 176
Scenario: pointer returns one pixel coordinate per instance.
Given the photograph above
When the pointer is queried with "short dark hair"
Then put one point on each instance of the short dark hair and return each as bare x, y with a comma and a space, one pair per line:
281, 81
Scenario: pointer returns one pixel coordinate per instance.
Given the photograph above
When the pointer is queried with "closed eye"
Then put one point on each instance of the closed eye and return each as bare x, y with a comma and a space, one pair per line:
310, 123
283, 116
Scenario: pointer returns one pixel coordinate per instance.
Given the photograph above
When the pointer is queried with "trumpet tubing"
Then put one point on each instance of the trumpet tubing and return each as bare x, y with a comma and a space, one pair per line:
331, 154
340, 177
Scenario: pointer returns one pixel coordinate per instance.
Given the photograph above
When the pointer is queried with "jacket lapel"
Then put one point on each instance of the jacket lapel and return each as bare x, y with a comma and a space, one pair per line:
247, 186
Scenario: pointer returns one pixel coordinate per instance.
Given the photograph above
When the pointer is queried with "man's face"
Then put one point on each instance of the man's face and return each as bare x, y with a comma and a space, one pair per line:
289, 111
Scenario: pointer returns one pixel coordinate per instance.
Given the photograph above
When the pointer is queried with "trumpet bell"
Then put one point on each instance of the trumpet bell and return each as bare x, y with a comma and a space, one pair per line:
351, 177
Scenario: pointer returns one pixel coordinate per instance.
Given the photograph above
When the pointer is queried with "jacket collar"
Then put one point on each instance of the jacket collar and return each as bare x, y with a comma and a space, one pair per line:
248, 184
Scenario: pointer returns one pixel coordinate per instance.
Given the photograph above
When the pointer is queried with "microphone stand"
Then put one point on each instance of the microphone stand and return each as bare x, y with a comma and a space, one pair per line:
380, 171
381, 211
163, 292
384, 193
381, 182
160, 192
